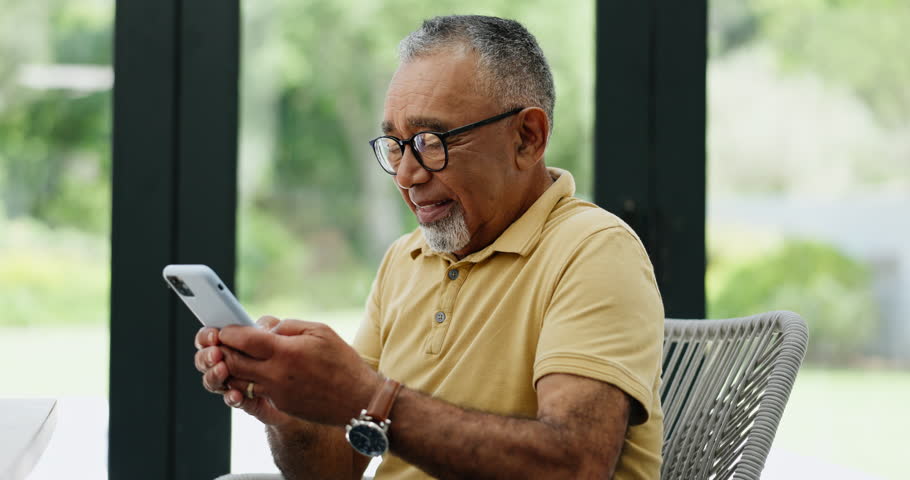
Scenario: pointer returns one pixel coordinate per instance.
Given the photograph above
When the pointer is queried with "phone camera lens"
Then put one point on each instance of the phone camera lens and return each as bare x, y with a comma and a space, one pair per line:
181, 287
220, 287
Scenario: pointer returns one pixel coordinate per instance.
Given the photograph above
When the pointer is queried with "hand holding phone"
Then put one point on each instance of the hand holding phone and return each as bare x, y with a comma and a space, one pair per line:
206, 296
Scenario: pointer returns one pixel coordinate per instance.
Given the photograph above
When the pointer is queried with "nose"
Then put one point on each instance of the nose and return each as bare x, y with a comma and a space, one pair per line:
410, 171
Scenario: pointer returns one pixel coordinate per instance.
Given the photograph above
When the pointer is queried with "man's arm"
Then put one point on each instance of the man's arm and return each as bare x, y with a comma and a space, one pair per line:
309, 451
302, 450
307, 371
578, 433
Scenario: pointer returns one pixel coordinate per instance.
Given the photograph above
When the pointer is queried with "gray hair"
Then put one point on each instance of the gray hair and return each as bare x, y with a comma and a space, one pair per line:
514, 70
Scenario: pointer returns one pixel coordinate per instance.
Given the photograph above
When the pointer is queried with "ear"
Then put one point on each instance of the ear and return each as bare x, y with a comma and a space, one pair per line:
533, 133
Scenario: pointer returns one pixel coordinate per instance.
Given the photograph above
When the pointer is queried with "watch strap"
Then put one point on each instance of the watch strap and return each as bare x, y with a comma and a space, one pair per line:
382, 401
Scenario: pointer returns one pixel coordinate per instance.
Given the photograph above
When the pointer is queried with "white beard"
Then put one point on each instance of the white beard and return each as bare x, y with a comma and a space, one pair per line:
448, 234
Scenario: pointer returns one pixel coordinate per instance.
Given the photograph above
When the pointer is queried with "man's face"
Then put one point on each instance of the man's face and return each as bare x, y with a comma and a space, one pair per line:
469, 204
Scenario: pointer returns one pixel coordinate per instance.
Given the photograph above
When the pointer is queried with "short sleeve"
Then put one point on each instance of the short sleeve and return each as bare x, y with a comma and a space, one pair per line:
605, 319
368, 339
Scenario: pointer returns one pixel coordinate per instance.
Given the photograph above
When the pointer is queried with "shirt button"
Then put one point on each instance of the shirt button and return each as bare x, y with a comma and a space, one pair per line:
440, 317
453, 274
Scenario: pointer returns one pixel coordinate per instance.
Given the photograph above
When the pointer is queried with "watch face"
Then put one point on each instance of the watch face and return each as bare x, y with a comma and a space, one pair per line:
368, 439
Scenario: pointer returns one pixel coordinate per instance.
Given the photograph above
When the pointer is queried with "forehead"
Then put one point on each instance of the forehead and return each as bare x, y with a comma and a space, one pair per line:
435, 92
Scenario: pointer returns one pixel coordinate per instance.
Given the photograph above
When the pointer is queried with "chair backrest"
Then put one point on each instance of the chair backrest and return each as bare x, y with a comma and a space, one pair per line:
725, 385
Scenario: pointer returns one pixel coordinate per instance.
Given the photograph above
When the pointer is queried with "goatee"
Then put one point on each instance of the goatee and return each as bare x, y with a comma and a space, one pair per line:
448, 234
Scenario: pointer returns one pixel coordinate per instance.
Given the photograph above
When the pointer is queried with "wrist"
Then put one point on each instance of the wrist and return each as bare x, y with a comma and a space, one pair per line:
367, 433
287, 425
368, 388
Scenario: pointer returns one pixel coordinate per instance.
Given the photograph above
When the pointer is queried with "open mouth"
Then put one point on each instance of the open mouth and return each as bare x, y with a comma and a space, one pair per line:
431, 205
431, 212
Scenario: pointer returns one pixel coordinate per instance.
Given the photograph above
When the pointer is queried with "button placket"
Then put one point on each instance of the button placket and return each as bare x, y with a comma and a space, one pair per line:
442, 318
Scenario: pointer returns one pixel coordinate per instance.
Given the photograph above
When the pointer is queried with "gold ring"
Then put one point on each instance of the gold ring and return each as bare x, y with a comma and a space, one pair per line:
249, 391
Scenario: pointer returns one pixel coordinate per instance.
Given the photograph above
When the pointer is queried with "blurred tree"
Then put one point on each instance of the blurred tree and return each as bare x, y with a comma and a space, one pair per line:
54, 161
858, 44
732, 24
795, 134
314, 80
54, 139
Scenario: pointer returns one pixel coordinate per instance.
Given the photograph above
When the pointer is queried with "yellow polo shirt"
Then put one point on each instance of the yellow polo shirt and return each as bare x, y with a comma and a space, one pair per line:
567, 288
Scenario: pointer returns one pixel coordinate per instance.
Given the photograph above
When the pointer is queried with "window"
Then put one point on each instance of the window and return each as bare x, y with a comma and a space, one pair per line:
809, 185
55, 111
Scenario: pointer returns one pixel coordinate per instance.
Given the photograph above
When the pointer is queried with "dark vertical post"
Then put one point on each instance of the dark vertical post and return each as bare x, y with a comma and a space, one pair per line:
174, 148
623, 119
142, 240
650, 136
680, 60
206, 214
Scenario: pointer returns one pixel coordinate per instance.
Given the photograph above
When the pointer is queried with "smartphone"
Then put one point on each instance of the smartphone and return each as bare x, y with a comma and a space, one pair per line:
206, 295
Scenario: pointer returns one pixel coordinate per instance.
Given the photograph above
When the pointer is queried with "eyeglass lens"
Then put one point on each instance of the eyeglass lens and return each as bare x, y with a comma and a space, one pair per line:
427, 145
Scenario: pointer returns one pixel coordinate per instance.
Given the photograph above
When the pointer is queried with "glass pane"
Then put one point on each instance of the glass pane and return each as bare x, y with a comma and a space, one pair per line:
316, 211
55, 111
809, 189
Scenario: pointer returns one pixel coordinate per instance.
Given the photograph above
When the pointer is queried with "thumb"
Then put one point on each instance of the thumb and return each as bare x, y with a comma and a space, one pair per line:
295, 327
267, 322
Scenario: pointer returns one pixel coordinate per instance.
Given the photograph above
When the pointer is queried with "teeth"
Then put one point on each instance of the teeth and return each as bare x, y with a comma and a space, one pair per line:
433, 205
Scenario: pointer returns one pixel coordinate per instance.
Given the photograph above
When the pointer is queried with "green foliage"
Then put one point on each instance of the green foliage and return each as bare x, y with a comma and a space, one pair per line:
83, 32
54, 150
55, 144
52, 276
860, 45
328, 109
315, 76
269, 255
296, 274
829, 289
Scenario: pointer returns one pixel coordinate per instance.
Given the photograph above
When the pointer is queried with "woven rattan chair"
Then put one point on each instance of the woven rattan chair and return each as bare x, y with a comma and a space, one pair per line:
725, 385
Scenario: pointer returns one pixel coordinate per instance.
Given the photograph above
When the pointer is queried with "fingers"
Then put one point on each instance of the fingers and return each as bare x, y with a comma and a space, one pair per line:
213, 380
238, 399
212, 362
206, 337
246, 388
207, 358
234, 398
254, 342
260, 406
238, 365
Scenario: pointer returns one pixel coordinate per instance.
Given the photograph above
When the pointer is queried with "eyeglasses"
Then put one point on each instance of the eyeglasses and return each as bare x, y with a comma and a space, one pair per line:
430, 148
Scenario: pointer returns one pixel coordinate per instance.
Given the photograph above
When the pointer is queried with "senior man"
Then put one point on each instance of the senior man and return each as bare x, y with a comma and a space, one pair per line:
525, 324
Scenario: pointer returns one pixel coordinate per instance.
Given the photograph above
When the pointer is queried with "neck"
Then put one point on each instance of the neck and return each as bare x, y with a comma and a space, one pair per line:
538, 183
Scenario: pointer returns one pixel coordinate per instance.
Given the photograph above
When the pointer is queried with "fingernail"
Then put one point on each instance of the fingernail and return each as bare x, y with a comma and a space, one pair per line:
210, 356
230, 402
211, 337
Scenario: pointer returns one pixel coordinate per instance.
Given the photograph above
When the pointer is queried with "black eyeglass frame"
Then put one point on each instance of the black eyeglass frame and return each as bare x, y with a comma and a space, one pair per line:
442, 137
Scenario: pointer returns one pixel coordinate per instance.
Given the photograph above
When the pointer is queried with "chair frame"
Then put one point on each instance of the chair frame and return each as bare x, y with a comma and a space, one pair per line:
725, 386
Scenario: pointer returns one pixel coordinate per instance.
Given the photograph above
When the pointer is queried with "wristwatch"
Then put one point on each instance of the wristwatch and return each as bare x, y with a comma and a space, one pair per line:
368, 433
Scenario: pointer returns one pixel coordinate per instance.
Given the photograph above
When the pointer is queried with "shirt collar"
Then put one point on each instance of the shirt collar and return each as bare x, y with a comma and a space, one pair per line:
523, 234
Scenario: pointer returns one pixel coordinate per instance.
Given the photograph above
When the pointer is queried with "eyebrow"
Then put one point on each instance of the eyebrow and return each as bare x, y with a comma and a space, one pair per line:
422, 123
